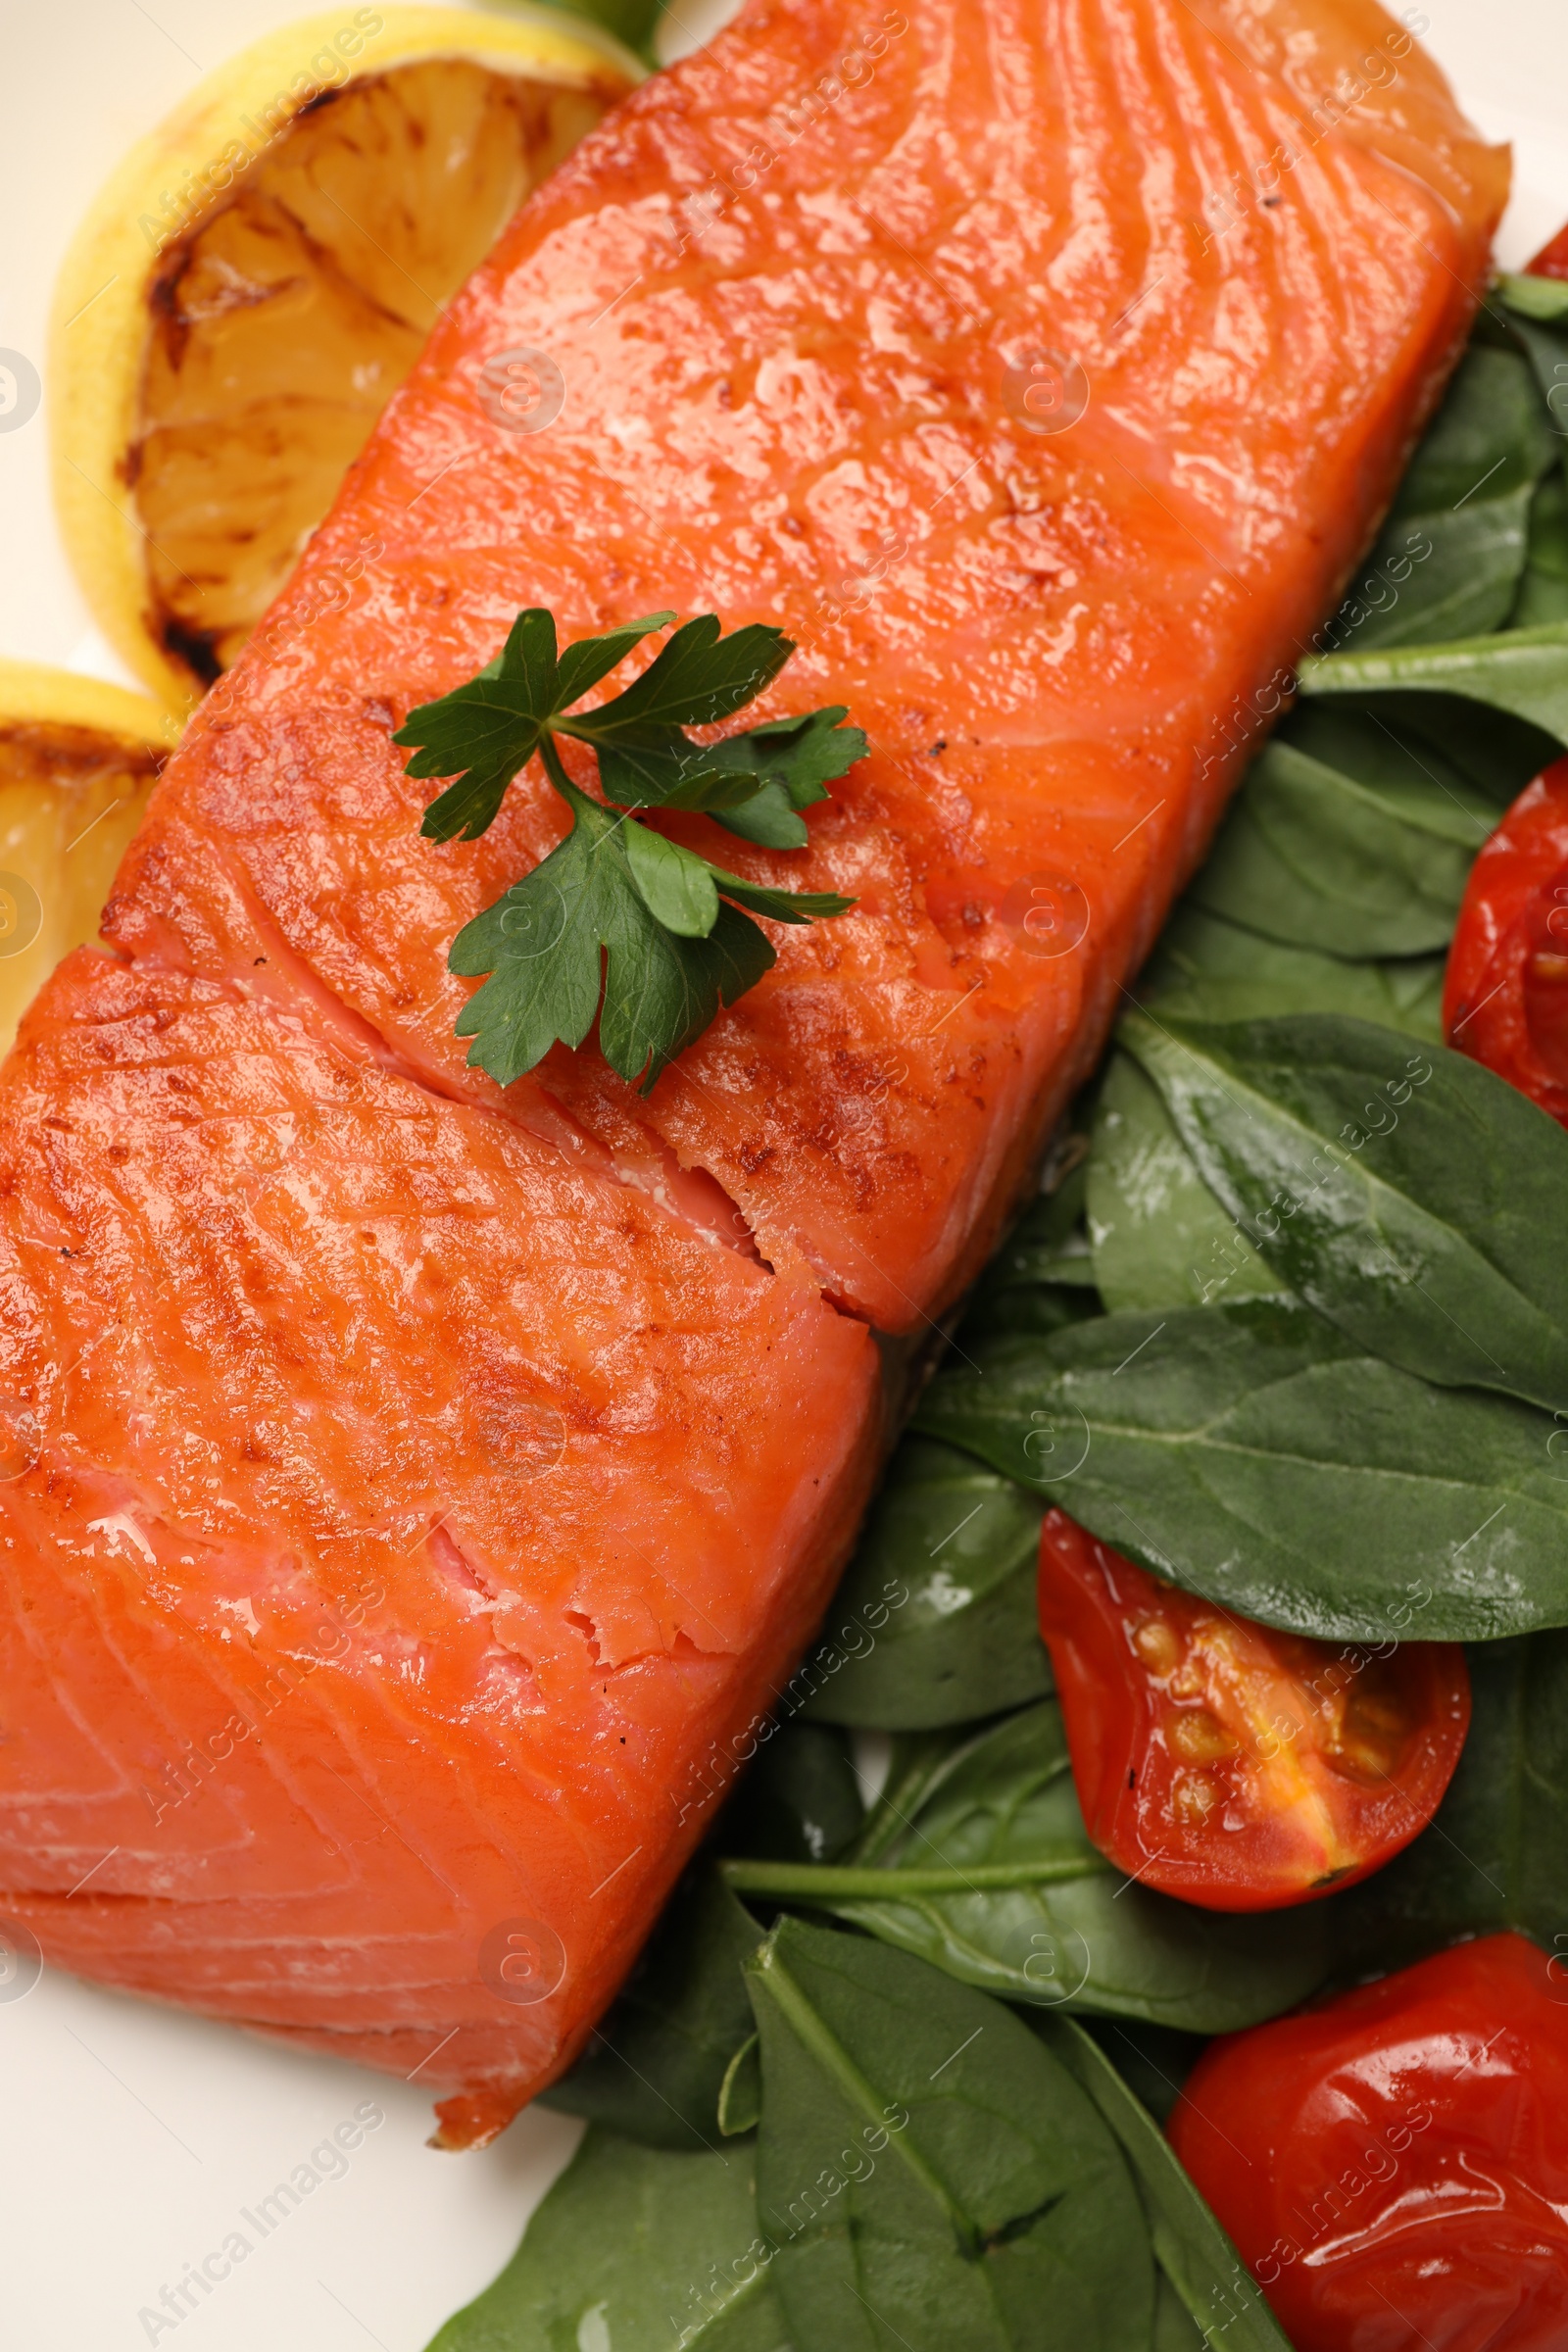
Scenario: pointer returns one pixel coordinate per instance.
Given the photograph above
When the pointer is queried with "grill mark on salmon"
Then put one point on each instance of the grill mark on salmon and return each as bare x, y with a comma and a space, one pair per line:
410, 1443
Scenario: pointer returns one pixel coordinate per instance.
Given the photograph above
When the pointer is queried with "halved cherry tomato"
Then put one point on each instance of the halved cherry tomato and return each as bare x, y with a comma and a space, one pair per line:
1552, 260
1505, 995
1392, 2163
1238, 1768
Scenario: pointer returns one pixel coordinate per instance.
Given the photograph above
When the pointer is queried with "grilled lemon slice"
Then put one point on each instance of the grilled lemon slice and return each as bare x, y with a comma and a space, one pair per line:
77, 760
256, 279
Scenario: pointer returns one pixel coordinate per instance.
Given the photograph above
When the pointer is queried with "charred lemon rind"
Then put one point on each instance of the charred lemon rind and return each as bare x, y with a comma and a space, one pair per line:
79, 760
162, 192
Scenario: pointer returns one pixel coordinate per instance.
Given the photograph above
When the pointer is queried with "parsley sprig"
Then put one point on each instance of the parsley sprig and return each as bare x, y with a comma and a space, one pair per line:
619, 920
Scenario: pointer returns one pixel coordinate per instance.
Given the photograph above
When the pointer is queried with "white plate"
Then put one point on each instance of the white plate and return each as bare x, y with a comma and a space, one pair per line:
131, 2138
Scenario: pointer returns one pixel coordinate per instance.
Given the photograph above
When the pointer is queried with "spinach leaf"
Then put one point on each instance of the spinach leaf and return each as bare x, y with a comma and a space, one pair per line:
1039, 1307
1450, 558
962, 1545
1543, 590
1521, 670
635, 2248
1494, 752
1042, 1276
1497, 1854
653, 2068
1415, 1198
1159, 1236
800, 1801
1534, 297
1344, 840
1153, 2060
981, 1864
1539, 317
1193, 2251
1046, 1247
1205, 969
1414, 786
931, 2173
1253, 1454
1175, 2329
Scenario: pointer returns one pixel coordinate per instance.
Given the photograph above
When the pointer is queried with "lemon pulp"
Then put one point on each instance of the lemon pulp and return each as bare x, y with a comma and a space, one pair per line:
281, 323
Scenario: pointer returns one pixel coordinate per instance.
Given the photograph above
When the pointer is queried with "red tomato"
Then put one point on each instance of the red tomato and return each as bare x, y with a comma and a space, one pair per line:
1236, 1767
1393, 2165
1505, 996
1552, 260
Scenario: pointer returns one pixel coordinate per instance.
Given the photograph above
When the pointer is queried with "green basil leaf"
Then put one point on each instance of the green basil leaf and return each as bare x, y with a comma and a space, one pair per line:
1520, 670
653, 2068
1208, 968
636, 2249
1496, 1853
955, 1869
1415, 1198
1255, 1455
1466, 502
932, 2176
935, 1622
1341, 840
1159, 1236
1213, 2287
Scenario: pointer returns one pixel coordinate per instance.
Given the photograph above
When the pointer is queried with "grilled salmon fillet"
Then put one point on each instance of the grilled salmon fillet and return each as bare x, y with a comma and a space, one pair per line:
417, 1489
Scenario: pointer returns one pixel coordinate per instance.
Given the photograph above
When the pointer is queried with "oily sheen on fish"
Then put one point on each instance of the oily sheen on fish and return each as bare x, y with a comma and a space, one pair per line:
419, 1489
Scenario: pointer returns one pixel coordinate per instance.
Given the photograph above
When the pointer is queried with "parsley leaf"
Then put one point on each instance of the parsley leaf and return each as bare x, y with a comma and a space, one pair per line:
605, 888
619, 922
492, 728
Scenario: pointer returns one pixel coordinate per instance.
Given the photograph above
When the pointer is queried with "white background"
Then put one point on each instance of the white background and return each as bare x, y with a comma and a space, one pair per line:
129, 2139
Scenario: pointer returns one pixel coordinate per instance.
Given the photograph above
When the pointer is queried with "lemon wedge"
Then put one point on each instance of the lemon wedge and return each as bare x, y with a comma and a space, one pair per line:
78, 760
258, 276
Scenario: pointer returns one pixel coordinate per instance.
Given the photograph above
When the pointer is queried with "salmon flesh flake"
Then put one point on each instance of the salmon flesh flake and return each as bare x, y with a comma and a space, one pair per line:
416, 1492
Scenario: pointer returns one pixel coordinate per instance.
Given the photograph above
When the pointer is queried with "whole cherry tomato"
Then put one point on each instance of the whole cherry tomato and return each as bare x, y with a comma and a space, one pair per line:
1552, 260
1392, 2163
1236, 1767
1505, 996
